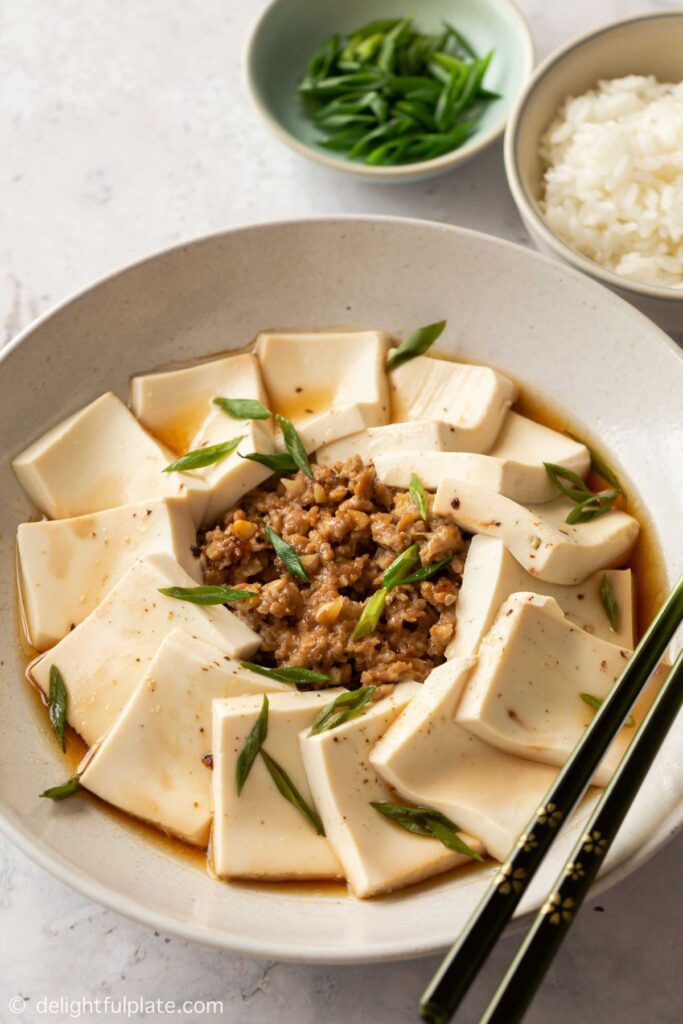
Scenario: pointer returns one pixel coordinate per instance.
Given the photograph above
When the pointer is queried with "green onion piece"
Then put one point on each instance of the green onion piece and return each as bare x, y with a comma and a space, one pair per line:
204, 456
56, 704
342, 709
418, 496
371, 614
286, 554
288, 674
416, 344
207, 595
279, 462
593, 507
601, 467
65, 790
252, 746
423, 821
427, 571
589, 505
290, 792
609, 603
294, 446
578, 490
400, 567
595, 703
243, 408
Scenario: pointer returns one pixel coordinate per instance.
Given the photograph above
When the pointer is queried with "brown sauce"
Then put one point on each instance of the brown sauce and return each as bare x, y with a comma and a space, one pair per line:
650, 586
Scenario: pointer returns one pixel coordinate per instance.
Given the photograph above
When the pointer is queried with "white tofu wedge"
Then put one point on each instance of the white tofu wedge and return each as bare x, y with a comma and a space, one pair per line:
431, 760
104, 658
513, 467
492, 574
524, 696
538, 536
260, 834
150, 762
328, 383
174, 404
377, 855
473, 399
98, 458
228, 480
67, 566
425, 435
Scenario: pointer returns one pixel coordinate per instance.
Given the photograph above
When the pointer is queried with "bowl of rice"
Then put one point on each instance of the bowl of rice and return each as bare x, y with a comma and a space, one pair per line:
594, 159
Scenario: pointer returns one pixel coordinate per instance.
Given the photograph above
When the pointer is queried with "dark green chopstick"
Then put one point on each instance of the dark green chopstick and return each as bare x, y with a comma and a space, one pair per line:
463, 962
527, 970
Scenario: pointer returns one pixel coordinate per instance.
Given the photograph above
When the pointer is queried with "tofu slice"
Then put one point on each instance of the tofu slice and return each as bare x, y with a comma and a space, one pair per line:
328, 383
513, 466
104, 658
99, 458
425, 435
67, 566
260, 834
228, 480
431, 760
524, 696
377, 856
473, 399
538, 536
492, 574
150, 762
174, 404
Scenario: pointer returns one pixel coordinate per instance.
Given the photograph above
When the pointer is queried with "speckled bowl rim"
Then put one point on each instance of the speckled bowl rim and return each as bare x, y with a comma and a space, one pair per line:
13, 827
526, 203
402, 172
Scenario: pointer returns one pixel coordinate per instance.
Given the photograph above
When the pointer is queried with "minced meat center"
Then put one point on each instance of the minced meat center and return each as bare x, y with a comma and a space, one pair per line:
346, 527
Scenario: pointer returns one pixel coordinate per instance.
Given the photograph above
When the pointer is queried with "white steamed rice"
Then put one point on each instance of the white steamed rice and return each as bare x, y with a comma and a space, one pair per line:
614, 177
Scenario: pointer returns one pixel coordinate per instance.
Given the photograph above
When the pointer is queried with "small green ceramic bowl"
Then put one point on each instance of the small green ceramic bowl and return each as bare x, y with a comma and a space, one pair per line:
289, 31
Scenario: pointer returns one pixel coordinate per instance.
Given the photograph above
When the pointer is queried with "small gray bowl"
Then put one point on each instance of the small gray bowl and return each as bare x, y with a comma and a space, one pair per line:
643, 45
289, 31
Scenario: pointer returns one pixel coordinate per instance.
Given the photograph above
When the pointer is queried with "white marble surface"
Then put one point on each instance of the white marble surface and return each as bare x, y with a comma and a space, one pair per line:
125, 128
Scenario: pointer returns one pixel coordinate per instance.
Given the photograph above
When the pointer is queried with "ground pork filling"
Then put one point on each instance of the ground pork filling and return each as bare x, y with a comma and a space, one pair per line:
346, 528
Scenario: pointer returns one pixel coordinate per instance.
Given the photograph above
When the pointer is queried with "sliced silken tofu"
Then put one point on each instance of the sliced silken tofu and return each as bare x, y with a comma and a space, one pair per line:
524, 696
174, 404
425, 435
513, 466
328, 383
377, 855
228, 480
492, 574
473, 399
538, 536
67, 566
432, 761
104, 658
100, 457
150, 762
260, 834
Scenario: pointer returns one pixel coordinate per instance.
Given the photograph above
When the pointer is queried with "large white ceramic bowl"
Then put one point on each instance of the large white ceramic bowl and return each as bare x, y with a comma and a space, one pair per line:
552, 327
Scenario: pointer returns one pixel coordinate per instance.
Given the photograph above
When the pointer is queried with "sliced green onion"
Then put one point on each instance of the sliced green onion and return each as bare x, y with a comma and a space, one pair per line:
342, 709
243, 408
207, 595
418, 496
295, 447
286, 554
252, 746
204, 456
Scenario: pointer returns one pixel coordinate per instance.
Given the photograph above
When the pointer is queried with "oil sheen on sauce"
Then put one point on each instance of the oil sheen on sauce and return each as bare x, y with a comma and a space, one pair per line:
646, 562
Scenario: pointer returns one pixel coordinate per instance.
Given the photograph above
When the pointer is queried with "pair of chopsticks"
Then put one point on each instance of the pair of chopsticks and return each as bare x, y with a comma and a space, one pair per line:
461, 965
